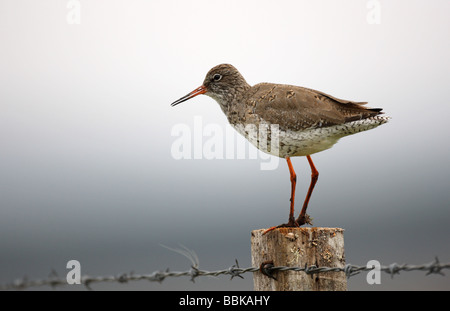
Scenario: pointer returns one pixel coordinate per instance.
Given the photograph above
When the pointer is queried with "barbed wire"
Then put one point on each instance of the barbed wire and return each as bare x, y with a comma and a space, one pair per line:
434, 267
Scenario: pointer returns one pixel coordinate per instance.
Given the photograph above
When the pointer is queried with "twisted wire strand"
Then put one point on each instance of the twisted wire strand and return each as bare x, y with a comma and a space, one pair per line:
434, 267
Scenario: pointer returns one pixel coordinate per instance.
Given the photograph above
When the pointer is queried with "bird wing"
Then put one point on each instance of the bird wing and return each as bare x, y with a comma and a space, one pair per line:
299, 108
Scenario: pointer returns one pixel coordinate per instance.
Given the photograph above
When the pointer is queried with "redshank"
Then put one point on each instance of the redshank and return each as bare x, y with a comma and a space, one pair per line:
309, 121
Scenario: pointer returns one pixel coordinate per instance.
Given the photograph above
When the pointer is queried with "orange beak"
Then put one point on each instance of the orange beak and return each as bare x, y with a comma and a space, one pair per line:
201, 90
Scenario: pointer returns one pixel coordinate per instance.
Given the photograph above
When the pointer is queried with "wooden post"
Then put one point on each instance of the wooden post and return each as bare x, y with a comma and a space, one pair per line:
297, 247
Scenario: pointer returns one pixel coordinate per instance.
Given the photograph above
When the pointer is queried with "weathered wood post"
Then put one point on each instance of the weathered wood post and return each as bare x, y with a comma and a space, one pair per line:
297, 247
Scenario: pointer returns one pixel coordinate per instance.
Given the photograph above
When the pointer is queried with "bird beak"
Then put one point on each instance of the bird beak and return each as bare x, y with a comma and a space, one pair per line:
201, 90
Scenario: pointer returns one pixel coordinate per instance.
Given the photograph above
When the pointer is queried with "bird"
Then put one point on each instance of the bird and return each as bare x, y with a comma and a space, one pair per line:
307, 121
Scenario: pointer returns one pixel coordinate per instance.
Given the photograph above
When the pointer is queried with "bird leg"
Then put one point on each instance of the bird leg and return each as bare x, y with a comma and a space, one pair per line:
291, 222
304, 218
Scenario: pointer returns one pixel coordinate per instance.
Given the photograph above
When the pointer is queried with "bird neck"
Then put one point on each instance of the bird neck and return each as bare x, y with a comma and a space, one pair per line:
232, 98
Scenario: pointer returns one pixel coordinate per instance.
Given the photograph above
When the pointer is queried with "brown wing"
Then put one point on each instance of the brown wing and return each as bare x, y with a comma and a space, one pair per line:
300, 108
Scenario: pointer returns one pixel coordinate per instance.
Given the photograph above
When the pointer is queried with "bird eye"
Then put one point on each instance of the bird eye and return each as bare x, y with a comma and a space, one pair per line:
217, 77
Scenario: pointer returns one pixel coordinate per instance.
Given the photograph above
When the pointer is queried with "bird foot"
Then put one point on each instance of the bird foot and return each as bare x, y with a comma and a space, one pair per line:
292, 223
282, 226
303, 220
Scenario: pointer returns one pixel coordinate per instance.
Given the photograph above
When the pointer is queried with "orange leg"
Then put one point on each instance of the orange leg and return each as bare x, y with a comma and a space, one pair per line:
303, 218
291, 221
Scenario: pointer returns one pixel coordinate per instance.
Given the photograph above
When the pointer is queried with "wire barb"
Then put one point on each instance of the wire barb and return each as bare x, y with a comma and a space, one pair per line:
435, 268
234, 270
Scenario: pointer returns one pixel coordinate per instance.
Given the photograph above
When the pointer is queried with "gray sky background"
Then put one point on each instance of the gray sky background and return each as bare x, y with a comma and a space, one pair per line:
86, 170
